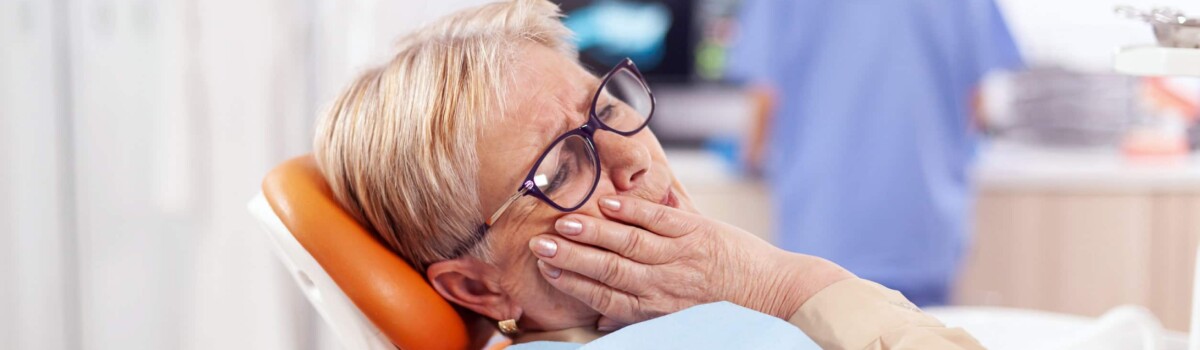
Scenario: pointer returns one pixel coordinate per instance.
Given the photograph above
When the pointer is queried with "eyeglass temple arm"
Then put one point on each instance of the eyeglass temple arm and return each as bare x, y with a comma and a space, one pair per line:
528, 185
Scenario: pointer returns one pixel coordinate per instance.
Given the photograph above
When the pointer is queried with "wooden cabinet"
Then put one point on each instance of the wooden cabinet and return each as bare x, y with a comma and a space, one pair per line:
1083, 250
722, 195
1072, 233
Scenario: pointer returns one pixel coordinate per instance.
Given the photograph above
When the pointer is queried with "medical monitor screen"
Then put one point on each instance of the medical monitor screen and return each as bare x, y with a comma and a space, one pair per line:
657, 35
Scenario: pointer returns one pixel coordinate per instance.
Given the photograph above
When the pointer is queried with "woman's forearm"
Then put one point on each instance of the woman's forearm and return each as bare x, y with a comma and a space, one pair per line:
860, 314
788, 280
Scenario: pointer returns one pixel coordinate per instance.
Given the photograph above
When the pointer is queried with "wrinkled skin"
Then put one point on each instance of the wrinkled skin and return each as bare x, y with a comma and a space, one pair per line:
605, 266
646, 260
549, 94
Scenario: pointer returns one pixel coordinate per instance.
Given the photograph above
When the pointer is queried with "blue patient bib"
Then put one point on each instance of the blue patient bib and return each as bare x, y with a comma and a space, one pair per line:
720, 325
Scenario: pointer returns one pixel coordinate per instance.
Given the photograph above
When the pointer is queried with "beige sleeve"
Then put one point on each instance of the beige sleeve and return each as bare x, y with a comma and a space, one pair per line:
860, 314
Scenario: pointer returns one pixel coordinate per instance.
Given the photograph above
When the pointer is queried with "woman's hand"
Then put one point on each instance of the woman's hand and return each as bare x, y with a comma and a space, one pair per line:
662, 260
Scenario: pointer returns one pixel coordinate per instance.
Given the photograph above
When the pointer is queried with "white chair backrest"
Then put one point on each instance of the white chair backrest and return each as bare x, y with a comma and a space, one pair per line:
352, 329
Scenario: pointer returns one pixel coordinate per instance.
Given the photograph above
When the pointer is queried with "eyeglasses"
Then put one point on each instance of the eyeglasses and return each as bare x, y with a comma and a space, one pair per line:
566, 174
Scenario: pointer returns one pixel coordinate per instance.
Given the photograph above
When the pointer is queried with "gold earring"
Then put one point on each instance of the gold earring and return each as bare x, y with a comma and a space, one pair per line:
508, 327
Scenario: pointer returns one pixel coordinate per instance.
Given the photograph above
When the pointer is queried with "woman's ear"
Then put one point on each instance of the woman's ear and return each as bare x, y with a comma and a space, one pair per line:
461, 281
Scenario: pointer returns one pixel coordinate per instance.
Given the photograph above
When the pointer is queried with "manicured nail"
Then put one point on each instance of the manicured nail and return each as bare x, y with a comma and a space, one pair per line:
550, 271
606, 328
610, 204
544, 247
568, 226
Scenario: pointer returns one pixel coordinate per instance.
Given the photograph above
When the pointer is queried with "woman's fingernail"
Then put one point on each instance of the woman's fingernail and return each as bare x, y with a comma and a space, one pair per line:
551, 271
606, 328
544, 247
568, 226
610, 204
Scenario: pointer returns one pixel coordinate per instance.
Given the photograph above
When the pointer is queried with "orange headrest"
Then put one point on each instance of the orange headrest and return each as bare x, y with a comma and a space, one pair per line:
387, 290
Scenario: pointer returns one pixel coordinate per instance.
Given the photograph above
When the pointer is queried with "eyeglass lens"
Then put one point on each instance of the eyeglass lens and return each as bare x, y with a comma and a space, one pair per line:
624, 102
567, 172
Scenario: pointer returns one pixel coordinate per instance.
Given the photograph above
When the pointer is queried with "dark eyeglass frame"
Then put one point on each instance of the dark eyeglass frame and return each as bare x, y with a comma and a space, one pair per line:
588, 132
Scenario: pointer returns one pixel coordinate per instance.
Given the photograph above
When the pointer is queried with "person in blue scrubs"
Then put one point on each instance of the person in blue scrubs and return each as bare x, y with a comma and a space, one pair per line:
870, 132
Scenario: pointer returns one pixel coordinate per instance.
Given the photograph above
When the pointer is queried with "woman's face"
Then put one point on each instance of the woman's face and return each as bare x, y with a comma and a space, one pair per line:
548, 96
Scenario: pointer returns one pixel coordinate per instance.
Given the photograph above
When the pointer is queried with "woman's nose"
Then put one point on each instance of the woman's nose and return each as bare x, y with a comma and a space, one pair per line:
624, 158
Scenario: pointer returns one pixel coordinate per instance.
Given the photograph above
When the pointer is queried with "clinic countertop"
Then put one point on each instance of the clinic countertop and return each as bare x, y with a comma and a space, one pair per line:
696, 167
1009, 166
1002, 166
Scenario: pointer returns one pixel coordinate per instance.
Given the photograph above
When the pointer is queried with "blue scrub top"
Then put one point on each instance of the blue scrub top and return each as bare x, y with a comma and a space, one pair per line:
871, 140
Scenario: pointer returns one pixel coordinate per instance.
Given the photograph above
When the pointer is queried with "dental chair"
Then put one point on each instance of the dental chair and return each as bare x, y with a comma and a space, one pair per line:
369, 296
372, 299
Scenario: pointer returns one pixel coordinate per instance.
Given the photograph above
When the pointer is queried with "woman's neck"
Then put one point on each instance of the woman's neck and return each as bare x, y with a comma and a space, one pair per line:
579, 335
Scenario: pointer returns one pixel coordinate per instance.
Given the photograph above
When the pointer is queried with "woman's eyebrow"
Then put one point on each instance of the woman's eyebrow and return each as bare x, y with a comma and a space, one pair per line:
567, 117
589, 94
564, 126
578, 101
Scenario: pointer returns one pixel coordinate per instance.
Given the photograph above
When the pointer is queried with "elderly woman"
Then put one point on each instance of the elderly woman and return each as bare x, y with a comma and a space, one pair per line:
531, 192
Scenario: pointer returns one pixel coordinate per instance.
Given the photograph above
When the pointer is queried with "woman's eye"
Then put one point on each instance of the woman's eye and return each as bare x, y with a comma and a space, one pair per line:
607, 112
561, 175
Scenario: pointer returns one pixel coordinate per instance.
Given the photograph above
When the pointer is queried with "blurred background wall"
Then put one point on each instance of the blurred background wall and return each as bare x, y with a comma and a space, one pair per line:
132, 133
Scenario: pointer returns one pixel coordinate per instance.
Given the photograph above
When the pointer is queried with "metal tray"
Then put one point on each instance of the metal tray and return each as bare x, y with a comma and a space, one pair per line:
1171, 27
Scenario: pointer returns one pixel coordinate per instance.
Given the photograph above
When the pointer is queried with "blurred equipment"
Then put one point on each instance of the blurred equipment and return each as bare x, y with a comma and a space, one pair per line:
657, 34
1171, 26
672, 41
365, 293
681, 46
1178, 49
1158, 61
1057, 107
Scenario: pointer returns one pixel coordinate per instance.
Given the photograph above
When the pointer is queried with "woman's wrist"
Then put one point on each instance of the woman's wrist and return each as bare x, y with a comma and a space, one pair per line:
790, 280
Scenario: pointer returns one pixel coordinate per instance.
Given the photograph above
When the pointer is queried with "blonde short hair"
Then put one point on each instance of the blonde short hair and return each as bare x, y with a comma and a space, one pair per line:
398, 145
